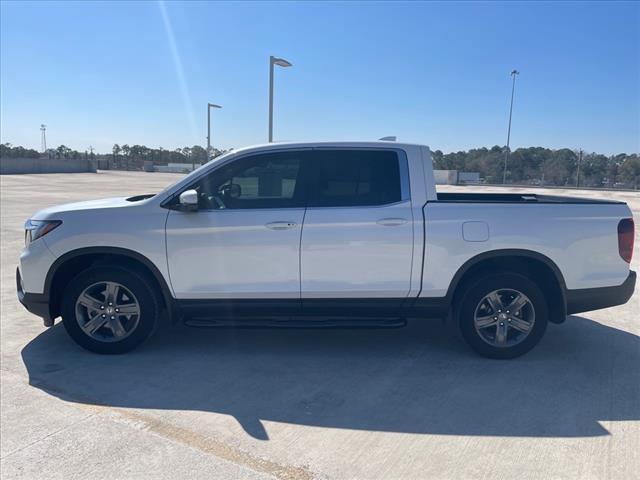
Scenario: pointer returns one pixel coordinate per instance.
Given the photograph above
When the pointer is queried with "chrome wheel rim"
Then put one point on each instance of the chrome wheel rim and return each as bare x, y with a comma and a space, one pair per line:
107, 311
504, 318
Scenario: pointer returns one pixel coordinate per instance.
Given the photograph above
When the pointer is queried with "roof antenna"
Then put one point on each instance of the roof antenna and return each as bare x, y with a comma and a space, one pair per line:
392, 138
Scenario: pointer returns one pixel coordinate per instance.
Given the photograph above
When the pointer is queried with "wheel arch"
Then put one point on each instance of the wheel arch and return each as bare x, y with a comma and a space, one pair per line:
535, 265
68, 265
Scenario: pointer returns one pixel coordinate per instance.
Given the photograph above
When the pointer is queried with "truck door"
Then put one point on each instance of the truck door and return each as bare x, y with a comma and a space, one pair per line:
357, 238
244, 240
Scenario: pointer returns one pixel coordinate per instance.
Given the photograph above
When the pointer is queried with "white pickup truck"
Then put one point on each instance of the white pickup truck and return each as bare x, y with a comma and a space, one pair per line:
324, 234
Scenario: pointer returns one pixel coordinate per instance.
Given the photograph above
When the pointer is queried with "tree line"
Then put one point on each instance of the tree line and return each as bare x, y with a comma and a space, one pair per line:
532, 166
9, 151
544, 166
123, 157
133, 157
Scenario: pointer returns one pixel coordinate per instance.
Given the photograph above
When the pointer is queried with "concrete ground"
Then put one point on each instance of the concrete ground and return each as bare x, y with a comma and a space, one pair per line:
298, 404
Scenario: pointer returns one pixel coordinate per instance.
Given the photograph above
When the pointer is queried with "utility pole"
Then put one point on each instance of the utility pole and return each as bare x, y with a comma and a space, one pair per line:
506, 154
579, 162
43, 137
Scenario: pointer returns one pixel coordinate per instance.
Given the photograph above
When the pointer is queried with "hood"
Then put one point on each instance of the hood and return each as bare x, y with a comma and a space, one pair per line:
105, 203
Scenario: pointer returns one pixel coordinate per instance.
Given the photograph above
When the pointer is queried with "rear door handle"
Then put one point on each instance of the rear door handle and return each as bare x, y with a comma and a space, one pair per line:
391, 222
280, 225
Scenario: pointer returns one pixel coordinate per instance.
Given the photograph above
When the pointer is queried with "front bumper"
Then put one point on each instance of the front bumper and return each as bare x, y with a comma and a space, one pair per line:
36, 303
587, 299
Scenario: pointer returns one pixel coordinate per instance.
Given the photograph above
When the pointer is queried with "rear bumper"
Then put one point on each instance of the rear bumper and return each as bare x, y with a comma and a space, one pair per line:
587, 299
36, 303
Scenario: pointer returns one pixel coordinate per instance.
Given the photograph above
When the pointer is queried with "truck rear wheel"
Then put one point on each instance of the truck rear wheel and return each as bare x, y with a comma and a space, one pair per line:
502, 315
109, 309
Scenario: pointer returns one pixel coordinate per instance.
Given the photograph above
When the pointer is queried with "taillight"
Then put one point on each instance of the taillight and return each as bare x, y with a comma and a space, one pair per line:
625, 239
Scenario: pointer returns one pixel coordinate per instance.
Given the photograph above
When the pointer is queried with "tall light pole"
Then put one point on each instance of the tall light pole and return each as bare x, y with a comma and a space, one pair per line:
506, 154
209, 107
281, 62
43, 137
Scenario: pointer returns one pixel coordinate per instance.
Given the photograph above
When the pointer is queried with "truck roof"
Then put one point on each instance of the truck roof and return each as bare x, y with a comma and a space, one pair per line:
339, 144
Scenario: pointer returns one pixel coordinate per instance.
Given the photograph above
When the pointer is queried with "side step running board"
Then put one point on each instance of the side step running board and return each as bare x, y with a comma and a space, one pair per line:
310, 322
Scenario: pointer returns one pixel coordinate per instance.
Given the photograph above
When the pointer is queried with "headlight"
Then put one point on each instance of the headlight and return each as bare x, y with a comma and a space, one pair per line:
34, 229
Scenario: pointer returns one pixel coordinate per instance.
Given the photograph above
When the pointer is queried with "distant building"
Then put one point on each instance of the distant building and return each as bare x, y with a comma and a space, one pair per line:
453, 177
468, 177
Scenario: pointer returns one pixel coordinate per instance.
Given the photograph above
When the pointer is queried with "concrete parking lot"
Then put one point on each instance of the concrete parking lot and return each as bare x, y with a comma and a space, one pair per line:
297, 404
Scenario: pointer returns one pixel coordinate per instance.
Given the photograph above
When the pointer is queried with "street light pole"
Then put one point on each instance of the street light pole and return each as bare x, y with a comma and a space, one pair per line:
506, 154
281, 62
209, 107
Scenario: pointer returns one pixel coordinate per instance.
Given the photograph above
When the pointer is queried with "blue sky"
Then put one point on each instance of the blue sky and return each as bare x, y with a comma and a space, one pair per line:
434, 73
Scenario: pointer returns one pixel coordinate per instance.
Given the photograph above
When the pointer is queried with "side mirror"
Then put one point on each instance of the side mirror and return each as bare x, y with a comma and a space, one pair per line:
231, 190
189, 201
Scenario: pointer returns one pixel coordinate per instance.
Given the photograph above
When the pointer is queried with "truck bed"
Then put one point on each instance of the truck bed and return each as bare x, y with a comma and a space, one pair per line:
476, 197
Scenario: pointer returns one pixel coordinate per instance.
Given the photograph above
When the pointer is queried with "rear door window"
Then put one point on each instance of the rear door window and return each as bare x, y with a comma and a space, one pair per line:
351, 178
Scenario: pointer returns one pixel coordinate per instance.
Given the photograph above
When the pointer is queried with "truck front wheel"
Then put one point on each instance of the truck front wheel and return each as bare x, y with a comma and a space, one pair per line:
502, 315
109, 309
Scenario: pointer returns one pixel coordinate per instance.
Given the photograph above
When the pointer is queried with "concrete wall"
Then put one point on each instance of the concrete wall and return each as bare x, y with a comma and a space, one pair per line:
45, 165
175, 167
446, 177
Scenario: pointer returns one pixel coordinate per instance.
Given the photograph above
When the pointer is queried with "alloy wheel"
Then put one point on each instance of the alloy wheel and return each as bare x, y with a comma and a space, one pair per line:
504, 317
107, 311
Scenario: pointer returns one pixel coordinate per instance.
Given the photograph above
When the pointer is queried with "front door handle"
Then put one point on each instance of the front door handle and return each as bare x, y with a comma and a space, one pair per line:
391, 222
280, 225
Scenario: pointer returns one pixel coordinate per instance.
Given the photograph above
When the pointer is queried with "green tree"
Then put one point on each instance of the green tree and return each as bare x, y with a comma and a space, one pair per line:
5, 150
126, 152
594, 169
630, 171
199, 154
116, 152
559, 167
63, 151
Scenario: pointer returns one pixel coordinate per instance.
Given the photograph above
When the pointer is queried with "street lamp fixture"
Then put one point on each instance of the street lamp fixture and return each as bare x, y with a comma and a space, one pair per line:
281, 62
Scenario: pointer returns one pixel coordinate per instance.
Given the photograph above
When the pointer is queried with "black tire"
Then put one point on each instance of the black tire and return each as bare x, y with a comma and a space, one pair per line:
482, 285
134, 282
